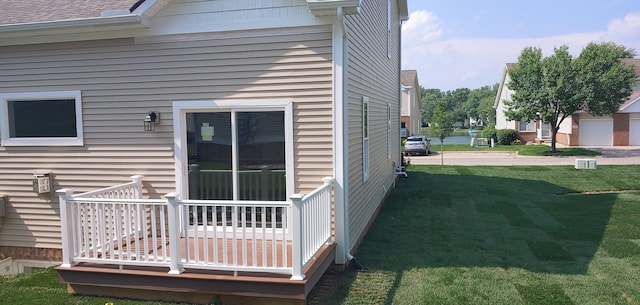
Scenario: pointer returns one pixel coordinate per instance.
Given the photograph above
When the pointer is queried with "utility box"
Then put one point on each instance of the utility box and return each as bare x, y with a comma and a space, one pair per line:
586, 164
3, 205
42, 183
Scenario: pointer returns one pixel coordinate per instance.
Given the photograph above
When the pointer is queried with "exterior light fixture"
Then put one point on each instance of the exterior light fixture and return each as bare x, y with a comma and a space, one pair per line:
150, 121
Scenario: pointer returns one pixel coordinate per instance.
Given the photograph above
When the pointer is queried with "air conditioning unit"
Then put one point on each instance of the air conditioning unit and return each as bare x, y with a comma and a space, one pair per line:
586, 164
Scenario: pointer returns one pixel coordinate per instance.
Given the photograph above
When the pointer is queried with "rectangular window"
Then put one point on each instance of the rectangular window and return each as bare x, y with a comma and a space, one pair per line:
389, 28
389, 131
526, 126
365, 138
41, 119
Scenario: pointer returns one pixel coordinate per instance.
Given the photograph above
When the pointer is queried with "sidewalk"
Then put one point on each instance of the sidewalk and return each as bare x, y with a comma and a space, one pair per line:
610, 156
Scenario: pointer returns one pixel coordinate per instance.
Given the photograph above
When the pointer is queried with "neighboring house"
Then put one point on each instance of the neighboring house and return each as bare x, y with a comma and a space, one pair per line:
228, 109
579, 129
411, 109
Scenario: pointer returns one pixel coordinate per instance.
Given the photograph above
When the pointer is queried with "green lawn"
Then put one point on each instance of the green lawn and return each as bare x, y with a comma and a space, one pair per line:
524, 150
475, 235
503, 235
42, 287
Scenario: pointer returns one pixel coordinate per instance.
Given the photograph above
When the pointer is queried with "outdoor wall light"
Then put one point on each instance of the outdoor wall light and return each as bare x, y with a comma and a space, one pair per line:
150, 121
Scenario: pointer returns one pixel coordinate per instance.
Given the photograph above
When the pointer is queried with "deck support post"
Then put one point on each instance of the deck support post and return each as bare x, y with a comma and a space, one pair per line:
296, 241
67, 229
174, 233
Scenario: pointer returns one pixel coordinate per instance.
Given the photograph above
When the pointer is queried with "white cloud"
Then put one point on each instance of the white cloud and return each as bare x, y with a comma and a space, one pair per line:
472, 63
625, 31
422, 26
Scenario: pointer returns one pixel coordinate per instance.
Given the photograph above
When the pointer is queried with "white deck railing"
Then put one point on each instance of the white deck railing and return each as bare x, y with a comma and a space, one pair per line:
115, 226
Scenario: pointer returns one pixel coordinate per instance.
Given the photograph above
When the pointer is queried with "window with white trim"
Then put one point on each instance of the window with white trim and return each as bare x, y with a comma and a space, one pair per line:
389, 131
389, 28
41, 119
526, 126
365, 138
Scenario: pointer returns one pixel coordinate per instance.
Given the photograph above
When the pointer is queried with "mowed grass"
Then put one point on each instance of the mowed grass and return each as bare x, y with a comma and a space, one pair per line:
42, 287
524, 150
503, 235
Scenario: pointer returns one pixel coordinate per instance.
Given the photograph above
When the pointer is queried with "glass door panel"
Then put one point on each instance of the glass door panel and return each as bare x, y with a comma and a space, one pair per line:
261, 160
236, 156
209, 147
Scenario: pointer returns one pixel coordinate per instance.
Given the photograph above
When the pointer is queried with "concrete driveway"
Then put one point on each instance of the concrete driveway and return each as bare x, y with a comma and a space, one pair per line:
617, 155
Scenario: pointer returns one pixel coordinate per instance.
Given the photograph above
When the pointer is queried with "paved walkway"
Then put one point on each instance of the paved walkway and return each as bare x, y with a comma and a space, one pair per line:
610, 156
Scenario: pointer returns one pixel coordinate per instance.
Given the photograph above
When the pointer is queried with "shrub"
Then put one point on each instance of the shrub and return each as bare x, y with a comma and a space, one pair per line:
506, 136
489, 133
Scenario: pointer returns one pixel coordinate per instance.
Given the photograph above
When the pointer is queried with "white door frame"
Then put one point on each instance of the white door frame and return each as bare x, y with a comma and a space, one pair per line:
180, 109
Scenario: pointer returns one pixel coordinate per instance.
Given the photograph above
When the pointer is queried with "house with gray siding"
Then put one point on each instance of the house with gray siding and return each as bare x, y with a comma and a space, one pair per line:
195, 149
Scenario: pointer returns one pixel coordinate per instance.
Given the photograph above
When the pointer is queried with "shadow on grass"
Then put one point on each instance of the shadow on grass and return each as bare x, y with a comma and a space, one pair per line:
465, 220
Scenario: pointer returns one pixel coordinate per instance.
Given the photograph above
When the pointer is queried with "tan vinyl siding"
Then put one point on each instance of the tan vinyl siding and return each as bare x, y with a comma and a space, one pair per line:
121, 80
380, 82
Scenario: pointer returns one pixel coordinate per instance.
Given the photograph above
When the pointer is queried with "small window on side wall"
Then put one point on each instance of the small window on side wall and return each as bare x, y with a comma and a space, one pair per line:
41, 119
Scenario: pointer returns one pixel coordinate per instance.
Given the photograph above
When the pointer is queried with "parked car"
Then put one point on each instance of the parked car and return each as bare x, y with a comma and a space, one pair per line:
417, 145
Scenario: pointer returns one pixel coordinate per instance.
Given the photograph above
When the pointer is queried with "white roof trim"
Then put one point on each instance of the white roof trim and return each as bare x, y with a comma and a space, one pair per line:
629, 104
129, 19
330, 7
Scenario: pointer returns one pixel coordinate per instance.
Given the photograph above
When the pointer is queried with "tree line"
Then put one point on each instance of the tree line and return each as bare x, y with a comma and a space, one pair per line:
465, 105
547, 89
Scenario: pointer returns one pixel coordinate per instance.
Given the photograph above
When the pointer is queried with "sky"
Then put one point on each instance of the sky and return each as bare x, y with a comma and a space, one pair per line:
466, 43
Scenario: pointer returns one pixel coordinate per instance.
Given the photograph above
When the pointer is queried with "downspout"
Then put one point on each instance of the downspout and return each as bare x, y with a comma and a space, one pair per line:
340, 131
400, 159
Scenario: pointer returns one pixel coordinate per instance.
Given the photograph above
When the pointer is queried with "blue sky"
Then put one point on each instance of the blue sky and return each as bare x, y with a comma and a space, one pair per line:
465, 43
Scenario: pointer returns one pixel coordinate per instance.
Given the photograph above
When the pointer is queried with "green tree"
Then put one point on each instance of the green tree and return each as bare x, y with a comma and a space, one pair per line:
554, 87
429, 98
441, 124
455, 100
479, 104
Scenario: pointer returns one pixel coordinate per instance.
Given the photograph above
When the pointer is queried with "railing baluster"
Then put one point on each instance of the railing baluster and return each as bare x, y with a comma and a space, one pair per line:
100, 222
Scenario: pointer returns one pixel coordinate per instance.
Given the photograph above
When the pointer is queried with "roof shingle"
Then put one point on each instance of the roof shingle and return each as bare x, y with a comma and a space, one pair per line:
21, 11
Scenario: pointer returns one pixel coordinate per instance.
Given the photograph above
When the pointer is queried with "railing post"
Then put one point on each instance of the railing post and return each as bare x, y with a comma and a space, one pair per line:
174, 234
137, 194
328, 181
296, 240
66, 228
137, 179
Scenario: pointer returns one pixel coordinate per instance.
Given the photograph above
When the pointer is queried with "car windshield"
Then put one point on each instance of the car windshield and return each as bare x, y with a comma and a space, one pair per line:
414, 139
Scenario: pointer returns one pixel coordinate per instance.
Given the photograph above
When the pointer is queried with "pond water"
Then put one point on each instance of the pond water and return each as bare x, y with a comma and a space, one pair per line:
452, 140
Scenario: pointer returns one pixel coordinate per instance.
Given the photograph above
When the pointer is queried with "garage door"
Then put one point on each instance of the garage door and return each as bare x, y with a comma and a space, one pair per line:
634, 132
598, 132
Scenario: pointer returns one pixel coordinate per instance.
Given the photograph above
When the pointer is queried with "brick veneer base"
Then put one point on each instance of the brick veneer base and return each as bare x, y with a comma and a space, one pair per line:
38, 254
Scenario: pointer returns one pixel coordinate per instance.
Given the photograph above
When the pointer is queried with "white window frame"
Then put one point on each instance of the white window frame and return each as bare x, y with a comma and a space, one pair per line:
5, 136
389, 131
389, 10
365, 137
529, 126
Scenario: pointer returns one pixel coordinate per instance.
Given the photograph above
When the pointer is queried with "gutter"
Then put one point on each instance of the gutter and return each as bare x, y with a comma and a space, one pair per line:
132, 20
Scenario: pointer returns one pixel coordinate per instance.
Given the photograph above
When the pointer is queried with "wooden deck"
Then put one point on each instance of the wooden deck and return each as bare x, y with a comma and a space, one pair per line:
198, 285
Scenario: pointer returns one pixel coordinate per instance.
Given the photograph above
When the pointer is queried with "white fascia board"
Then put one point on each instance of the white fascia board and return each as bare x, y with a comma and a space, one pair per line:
72, 24
330, 7
150, 8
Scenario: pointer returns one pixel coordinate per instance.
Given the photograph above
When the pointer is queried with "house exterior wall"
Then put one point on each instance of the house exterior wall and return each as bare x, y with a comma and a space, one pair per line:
620, 129
501, 119
411, 108
122, 79
367, 43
